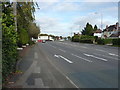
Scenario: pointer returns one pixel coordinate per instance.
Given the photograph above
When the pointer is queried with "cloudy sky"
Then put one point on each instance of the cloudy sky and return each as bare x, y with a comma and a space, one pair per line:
61, 17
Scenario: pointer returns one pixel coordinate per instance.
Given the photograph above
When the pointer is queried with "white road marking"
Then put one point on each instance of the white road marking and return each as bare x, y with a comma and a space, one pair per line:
37, 70
25, 76
36, 55
106, 56
100, 50
113, 54
83, 47
62, 50
82, 58
52, 46
56, 56
63, 74
95, 57
63, 58
71, 82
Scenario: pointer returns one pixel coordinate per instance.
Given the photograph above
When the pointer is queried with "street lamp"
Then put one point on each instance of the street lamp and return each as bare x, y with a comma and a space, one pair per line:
101, 19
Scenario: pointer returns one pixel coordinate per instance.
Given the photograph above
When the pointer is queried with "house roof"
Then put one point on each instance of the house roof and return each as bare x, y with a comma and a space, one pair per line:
98, 31
115, 34
110, 28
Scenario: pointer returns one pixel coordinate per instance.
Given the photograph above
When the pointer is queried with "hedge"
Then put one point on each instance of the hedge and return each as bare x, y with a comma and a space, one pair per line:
104, 41
83, 39
116, 41
9, 42
9, 50
86, 41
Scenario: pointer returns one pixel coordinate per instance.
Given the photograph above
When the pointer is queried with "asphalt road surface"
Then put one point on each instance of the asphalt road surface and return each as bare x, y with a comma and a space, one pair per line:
69, 65
84, 65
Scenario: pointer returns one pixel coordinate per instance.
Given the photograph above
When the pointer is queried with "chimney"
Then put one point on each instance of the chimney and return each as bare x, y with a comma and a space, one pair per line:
117, 26
106, 27
74, 33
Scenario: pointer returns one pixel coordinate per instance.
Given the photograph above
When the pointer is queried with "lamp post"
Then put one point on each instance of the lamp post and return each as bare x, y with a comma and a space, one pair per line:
101, 15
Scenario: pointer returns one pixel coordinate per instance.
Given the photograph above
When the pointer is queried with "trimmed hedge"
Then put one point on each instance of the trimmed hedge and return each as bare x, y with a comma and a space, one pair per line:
76, 38
107, 41
116, 41
83, 39
9, 43
86, 41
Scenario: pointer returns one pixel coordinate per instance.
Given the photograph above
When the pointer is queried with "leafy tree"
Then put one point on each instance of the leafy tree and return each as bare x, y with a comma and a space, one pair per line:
25, 18
88, 30
34, 30
95, 27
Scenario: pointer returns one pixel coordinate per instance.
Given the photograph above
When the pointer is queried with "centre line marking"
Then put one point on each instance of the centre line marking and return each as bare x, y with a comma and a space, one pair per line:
113, 54
101, 50
95, 57
59, 56
62, 50
81, 58
36, 55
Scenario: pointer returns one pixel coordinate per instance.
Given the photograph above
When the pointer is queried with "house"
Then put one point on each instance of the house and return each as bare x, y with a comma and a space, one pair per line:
77, 34
98, 33
115, 34
45, 37
109, 30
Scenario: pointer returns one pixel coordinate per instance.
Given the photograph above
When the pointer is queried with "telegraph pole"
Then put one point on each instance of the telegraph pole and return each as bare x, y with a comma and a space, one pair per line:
15, 13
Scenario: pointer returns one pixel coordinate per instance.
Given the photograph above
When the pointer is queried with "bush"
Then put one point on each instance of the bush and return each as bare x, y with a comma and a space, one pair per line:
23, 37
31, 42
116, 41
76, 38
9, 45
104, 41
100, 41
87, 39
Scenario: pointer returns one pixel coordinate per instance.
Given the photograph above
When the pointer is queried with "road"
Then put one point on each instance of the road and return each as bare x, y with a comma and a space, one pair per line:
86, 65
69, 65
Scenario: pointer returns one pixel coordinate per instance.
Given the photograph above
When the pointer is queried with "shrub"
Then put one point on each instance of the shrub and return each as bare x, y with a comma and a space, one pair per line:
104, 41
9, 41
116, 41
23, 37
76, 38
100, 41
87, 39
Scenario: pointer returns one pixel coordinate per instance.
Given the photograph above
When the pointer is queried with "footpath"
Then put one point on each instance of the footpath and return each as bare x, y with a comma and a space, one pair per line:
34, 70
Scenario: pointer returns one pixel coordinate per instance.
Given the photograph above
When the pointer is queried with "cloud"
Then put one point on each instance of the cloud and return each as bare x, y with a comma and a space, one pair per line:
53, 18
76, 0
66, 7
80, 22
53, 26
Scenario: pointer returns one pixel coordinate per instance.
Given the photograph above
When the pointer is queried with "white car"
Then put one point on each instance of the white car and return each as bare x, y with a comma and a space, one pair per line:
61, 40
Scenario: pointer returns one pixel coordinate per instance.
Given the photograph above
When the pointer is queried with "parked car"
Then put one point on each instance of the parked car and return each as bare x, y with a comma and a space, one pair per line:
61, 40
43, 41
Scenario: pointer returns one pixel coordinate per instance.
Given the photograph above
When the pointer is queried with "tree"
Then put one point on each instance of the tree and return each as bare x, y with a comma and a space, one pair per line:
34, 30
95, 27
25, 18
88, 30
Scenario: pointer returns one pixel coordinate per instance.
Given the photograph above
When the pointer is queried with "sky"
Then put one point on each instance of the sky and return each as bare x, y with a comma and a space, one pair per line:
64, 17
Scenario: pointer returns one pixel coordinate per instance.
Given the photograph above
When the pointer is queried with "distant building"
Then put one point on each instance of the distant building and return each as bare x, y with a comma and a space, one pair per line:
45, 37
110, 30
77, 34
98, 33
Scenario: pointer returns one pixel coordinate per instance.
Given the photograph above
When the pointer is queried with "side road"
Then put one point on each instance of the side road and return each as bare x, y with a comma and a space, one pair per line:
38, 72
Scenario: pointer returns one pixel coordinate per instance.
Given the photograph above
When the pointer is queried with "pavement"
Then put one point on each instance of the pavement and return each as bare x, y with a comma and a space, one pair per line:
69, 65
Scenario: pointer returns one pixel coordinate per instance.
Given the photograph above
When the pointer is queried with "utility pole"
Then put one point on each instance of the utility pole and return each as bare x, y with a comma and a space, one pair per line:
101, 16
15, 13
101, 21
